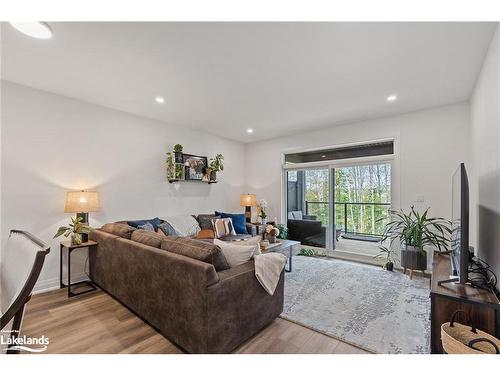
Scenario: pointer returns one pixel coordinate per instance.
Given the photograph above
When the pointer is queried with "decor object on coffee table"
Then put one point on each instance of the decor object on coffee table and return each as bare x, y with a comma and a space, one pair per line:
271, 233
414, 231
248, 201
82, 202
262, 211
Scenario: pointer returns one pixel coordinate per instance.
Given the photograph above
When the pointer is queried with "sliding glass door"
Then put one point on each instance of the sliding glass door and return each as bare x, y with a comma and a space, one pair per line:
343, 208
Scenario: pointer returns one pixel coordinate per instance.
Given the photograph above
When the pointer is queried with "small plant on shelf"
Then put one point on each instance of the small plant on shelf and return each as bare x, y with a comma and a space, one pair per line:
170, 166
75, 229
178, 148
216, 165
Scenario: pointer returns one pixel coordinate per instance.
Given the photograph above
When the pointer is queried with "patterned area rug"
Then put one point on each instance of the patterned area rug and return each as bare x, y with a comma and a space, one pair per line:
377, 310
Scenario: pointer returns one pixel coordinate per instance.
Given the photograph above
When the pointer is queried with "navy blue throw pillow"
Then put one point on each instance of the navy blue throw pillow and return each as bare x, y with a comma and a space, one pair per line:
239, 221
154, 222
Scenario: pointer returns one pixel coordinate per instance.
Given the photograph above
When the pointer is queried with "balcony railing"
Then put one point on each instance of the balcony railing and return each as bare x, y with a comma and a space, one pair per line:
359, 218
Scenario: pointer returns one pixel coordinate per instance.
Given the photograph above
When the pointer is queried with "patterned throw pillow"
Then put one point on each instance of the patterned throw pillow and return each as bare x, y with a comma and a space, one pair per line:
205, 220
223, 227
167, 229
147, 226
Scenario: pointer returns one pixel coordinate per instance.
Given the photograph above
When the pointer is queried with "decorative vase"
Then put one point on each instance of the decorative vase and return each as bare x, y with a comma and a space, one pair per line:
389, 266
213, 176
413, 258
76, 239
263, 220
271, 238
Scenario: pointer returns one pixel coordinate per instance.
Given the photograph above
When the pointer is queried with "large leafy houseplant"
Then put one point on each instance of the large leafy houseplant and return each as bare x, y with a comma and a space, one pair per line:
414, 231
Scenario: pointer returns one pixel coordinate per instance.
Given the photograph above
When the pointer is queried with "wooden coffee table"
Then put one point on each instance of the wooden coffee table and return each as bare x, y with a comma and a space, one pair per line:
288, 248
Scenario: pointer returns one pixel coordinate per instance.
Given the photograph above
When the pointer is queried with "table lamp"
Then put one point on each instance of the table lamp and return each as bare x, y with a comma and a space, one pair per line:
248, 201
82, 202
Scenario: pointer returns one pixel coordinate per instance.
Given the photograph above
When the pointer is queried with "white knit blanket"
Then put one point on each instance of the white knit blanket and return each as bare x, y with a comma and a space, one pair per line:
268, 269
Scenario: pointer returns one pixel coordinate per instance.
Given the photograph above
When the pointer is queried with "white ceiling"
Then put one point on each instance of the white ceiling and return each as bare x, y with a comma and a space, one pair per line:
277, 78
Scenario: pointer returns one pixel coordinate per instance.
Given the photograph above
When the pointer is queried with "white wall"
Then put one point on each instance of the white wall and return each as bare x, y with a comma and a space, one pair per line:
52, 144
485, 181
430, 145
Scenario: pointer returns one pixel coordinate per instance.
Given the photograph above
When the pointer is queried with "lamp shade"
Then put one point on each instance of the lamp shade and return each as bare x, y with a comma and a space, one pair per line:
81, 201
248, 200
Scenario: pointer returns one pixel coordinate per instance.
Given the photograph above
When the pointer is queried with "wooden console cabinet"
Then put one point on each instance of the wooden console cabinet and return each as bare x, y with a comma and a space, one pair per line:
482, 305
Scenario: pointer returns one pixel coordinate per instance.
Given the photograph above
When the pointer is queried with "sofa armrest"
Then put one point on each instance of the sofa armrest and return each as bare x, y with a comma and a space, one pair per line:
240, 307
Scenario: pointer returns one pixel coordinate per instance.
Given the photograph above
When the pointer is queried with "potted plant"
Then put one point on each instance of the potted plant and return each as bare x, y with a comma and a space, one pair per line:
178, 153
283, 231
415, 231
76, 229
170, 166
216, 165
262, 209
388, 256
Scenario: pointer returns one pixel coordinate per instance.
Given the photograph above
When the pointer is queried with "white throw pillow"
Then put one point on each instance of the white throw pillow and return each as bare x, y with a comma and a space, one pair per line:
184, 225
236, 254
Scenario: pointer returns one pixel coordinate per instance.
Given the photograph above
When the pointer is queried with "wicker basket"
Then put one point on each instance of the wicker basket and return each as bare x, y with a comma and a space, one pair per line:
463, 339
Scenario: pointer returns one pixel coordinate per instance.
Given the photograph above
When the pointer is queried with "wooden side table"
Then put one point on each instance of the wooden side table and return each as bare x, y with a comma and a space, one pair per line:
70, 247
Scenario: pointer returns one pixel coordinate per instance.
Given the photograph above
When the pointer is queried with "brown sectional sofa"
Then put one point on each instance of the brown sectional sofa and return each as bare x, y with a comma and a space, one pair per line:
183, 288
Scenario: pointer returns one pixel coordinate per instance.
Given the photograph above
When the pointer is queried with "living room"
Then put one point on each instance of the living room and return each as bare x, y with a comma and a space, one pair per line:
237, 187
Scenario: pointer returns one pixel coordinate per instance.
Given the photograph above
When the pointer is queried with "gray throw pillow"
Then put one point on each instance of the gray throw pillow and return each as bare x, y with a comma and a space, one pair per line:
148, 226
205, 220
167, 229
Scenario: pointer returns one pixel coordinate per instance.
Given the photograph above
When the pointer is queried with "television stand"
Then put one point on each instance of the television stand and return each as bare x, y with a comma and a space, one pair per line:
453, 280
447, 297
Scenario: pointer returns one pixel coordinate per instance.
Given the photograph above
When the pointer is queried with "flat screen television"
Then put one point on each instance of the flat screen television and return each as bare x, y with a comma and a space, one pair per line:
460, 225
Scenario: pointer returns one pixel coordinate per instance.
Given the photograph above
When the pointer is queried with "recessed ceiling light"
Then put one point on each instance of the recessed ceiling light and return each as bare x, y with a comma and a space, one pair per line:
249, 131
392, 98
39, 30
160, 99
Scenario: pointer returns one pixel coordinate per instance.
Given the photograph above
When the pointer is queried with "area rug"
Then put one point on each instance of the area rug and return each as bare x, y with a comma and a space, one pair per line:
377, 310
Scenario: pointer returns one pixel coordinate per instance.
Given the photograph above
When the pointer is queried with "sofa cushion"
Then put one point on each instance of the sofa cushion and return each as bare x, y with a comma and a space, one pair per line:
184, 225
239, 221
205, 234
148, 227
223, 227
118, 229
135, 223
205, 220
295, 215
146, 237
200, 250
167, 229
236, 254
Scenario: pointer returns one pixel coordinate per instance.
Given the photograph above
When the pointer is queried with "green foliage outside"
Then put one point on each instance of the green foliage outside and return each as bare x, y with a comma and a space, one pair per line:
361, 184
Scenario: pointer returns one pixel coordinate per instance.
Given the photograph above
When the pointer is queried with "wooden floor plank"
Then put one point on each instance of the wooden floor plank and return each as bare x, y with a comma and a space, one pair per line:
97, 323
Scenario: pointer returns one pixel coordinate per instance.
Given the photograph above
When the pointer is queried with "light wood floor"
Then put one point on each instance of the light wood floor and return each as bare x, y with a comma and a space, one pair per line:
97, 323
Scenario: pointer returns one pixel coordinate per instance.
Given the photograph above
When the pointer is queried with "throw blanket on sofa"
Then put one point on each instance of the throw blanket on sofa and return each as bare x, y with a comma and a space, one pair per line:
268, 269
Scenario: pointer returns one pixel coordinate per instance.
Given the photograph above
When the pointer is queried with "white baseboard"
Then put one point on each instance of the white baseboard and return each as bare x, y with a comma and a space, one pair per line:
48, 285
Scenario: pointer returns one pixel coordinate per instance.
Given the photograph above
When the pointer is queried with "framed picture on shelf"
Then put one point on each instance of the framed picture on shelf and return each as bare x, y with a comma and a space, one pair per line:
194, 166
